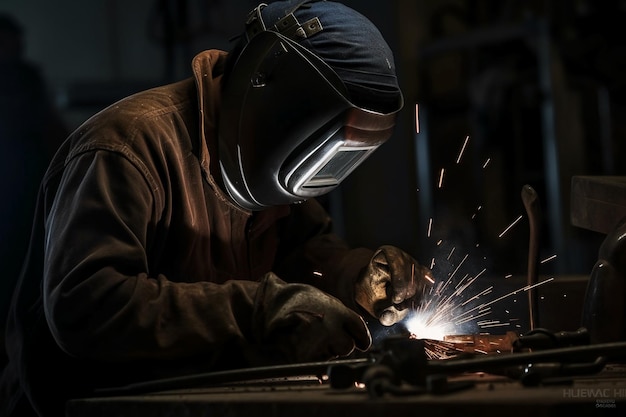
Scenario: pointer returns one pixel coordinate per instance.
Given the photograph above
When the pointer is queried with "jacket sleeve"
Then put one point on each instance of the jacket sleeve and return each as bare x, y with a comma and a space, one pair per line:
100, 299
312, 253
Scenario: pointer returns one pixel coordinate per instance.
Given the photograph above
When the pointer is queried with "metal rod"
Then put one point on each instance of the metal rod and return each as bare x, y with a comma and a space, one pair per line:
533, 210
615, 350
230, 376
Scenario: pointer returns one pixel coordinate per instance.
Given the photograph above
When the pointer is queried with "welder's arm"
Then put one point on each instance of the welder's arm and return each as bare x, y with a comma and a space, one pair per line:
391, 284
310, 252
103, 298
383, 282
102, 302
300, 323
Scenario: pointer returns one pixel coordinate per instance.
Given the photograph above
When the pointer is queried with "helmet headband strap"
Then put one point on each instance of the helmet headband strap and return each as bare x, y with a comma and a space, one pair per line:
288, 25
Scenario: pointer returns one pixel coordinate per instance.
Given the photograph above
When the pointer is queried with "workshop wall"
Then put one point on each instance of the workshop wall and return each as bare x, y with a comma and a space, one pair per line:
97, 51
539, 89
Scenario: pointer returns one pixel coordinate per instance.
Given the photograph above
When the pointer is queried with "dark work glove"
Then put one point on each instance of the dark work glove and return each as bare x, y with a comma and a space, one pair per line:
391, 284
300, 323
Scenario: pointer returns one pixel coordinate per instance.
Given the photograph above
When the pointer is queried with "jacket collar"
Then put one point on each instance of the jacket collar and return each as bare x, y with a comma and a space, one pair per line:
207, 69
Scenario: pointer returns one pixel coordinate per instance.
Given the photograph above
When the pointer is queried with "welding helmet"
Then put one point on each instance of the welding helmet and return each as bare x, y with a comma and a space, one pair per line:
310, 94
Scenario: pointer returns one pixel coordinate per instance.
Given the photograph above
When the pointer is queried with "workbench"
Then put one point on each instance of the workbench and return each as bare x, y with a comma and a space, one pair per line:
600, 394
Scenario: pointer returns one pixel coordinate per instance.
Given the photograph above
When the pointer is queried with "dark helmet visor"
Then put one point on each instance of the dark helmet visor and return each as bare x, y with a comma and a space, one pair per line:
288, 130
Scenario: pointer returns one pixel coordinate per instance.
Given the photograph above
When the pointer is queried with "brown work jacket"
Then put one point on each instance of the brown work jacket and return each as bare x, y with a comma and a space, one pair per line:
140, 266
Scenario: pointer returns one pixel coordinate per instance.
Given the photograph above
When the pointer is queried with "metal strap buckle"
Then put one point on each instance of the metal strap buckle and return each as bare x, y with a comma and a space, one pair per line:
290, 27
254, 22
287, 26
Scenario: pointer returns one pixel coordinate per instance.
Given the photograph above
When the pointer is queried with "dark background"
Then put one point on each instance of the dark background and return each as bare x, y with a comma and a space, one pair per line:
537, 86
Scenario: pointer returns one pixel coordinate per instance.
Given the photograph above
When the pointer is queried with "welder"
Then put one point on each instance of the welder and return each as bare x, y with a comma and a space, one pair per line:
177, 231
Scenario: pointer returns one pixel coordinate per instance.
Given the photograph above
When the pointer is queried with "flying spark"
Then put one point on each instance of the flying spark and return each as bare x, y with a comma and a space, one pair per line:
452, 305
417, 119
458, 159
479, 208
510, 226
548, 259
447, 308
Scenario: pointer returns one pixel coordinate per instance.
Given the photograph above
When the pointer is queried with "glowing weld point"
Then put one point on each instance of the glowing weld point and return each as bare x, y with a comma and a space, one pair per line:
420, 326
441, 178
548, 259
462, 149
510, 226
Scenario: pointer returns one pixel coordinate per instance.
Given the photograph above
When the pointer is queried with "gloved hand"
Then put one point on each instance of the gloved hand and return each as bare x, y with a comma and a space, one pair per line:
300, 323
391, 283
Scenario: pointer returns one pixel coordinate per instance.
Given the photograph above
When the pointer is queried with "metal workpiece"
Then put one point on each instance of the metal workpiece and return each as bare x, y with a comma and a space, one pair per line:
406, 359
396, 379
487, 396
483, 343
402, 366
